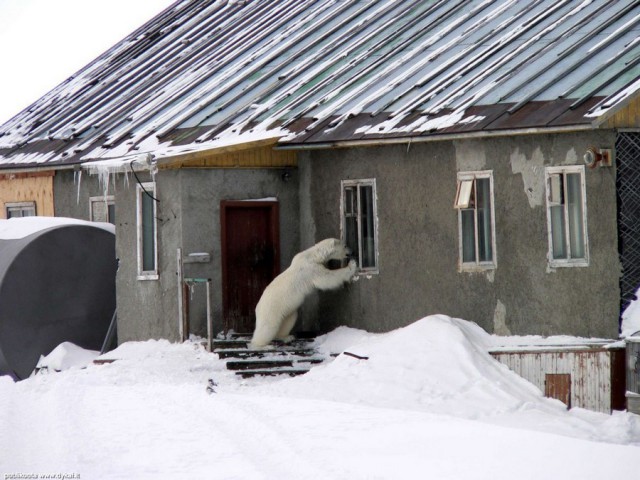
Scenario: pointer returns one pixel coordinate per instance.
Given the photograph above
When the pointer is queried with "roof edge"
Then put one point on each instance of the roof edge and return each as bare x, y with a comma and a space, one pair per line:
372, 142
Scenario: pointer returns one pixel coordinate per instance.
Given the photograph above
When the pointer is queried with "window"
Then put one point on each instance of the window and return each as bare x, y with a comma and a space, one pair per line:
20, 209
566, 216
359, 222
476, 226
147, 232
102, 209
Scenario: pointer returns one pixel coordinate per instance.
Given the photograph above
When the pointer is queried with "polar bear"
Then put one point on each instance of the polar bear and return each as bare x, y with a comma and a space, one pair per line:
277, 309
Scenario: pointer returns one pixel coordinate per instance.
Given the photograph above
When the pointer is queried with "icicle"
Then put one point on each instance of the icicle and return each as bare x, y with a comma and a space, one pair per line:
77, 177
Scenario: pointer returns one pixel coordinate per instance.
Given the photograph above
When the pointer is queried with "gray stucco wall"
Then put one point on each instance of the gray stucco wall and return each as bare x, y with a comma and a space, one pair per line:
189, 217
72, 191
418, 237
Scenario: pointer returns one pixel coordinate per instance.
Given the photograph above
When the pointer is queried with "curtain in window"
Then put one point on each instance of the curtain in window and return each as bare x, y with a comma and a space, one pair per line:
468, 235
575, 217
483, 202
366, 227
558, 234
148, 233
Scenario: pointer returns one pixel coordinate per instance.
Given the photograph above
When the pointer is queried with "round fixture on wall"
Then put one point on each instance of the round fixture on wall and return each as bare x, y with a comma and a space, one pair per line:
595, 156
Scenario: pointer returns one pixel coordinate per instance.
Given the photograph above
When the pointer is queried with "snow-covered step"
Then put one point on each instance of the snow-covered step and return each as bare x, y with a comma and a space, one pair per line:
243, 342
294, 358
292, 372
270, 363
247, 353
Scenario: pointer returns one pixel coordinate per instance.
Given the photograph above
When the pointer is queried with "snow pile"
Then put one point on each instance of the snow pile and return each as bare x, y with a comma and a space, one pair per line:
410, 410
441, 365
436, 364
16, 228
631, 318
65, 356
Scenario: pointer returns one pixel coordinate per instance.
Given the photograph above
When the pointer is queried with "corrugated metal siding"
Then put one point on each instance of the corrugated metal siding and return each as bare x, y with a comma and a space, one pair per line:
591, 373
313, 66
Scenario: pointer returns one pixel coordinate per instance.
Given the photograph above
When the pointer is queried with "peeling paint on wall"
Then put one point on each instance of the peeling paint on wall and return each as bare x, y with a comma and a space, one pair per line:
532, 171
470, 155
571, 158
500, 320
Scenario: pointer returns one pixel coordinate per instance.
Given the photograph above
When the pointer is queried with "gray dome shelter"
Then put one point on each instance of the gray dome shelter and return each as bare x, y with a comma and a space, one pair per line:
56, 285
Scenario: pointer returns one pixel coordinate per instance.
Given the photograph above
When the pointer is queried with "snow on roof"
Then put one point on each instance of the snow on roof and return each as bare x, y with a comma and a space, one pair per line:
321, 70
15, 228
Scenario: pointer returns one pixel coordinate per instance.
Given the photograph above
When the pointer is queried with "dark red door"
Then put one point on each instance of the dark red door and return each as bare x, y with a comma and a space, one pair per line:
250, 258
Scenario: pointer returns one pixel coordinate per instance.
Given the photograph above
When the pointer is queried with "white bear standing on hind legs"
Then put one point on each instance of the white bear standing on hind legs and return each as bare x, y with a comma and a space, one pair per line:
277, 310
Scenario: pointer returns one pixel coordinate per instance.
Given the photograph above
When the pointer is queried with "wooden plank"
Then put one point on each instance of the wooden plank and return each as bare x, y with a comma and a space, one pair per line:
262, 157
36, 188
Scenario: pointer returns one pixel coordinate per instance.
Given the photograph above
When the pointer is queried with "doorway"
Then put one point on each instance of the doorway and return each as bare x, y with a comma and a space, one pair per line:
250, 258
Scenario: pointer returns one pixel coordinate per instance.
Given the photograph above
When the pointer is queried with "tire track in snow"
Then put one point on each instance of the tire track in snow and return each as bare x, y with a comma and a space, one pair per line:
263, 440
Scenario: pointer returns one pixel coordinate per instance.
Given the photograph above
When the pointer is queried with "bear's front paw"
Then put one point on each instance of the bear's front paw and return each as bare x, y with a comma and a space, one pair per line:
353, 266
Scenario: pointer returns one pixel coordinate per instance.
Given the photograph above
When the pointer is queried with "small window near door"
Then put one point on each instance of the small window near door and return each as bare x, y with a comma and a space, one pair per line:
476, 226
102, 209
20, 209
147, 232
566, 216
359, 222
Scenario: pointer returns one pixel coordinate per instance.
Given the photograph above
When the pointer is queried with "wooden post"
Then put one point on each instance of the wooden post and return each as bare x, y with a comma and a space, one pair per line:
209, 318
180, 297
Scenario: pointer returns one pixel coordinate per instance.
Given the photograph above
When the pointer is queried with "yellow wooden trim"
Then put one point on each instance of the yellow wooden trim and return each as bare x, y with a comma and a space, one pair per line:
626, 117
257, 157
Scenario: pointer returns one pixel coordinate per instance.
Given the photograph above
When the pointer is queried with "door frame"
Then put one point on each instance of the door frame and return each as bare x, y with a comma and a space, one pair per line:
274, 220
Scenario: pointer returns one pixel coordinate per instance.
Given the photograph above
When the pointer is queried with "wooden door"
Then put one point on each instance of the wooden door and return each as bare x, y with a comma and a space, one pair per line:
558, 386
250, 258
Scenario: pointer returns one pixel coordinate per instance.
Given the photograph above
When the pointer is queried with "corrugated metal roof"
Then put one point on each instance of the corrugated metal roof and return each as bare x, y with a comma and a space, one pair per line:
335, 70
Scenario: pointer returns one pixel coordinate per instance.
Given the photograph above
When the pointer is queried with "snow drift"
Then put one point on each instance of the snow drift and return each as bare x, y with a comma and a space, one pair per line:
429, 402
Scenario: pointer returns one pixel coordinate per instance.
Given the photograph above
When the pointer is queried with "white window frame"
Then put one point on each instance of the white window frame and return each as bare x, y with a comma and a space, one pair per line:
20, 206
465, 181
108, 200
368, 182
141, 189
566, 262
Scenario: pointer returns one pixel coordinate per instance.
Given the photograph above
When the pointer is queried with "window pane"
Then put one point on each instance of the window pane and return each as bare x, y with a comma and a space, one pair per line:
574, 206
483, 199
148, 233
350, 200
555, 189
351, 237
99, 211
558, 231
468, 236
366, 227
111, 213
465, 193
351, 222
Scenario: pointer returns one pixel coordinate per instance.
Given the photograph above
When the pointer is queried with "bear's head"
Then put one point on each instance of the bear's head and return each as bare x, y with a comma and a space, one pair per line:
330, 249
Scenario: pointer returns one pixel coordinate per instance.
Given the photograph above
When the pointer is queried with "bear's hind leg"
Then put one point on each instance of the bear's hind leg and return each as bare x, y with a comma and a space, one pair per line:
286, 326
262, 335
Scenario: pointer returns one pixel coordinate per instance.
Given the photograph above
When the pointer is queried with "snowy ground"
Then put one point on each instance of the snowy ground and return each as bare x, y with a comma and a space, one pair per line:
428, 403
